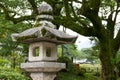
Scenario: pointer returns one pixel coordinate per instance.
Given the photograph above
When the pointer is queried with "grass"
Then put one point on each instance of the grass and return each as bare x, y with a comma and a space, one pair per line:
90, 65
118, 79
89, 75
91, 68
70, 76
67, 76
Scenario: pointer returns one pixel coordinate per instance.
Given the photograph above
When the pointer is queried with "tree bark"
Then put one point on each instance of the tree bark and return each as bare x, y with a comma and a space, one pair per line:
107, 61
108, 70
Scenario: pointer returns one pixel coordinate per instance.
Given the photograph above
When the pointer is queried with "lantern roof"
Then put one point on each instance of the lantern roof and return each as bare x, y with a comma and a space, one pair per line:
44, 7
44, 31
34, 35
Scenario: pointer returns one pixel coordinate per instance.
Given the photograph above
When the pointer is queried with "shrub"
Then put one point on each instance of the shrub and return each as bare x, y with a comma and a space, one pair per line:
4, 62
10, 74
70, 67
69, 64
81, 71
97, 74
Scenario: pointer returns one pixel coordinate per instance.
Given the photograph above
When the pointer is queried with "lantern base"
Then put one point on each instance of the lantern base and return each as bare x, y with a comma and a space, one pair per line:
43, 76
47, 67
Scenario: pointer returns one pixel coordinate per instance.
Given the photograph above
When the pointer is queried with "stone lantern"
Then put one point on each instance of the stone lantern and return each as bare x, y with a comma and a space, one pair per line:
43, 40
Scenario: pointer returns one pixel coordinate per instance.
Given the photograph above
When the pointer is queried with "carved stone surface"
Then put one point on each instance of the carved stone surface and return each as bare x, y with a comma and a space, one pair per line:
42, 51
43, 76
44, 7
42, 66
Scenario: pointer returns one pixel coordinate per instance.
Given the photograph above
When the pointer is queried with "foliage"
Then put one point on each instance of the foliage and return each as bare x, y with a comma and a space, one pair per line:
9, 74
69, 50
71, 67
90, 54
70, 76
12, 60
117, 59
69, 64
4, 62
6, 29
92, 69
13, 51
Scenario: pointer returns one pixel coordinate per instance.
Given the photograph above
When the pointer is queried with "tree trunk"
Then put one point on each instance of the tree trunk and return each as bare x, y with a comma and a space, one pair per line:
107, 61
108, 70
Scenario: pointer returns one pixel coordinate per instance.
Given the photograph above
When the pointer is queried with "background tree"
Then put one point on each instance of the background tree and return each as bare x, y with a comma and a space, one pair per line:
96, 18
90, 54
88, 21
68, 50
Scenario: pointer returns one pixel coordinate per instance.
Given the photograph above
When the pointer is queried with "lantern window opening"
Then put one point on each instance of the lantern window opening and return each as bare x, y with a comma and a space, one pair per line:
48, 52
36, 51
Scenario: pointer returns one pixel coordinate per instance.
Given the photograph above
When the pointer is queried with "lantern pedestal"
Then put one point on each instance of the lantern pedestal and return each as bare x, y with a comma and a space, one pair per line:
43, 76
42, 70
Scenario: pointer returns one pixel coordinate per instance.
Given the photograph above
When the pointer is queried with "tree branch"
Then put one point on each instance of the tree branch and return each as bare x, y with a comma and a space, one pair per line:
35, 9
79, 27
86, 31
111, 22
117, 11
117, 41
5, 10
19, 19
78, 19
67, 9
89, 11
77, 1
